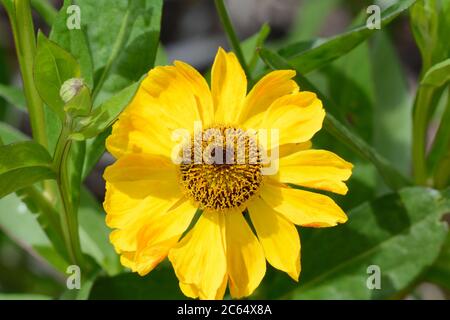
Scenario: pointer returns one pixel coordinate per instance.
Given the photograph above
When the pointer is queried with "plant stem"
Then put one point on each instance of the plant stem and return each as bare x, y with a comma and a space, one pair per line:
24, 36
420, 125
231, 34
69, 218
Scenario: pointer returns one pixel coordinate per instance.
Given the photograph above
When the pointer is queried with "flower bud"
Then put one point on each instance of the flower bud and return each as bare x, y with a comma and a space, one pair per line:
71, 88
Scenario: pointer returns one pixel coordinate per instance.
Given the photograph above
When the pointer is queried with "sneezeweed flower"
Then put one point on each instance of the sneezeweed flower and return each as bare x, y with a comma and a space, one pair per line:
152, 201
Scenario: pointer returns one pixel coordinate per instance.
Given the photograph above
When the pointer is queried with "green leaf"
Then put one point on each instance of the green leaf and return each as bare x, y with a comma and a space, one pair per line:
105, 115
430, 23
392, 112
10, 134
311, 55
123, 39
251, 45
400, 233
75, 42
438, 75
53, 66
391, 176
36, 203
94, 234
439, 273
95, 148
160, 284
23, 164
22, 226
14, 96
429, 91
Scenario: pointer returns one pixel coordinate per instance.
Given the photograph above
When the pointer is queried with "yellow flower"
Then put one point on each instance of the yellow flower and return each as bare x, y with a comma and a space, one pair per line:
151, 201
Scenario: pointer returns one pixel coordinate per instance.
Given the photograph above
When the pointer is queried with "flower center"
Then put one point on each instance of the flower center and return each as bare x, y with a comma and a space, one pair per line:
222, 170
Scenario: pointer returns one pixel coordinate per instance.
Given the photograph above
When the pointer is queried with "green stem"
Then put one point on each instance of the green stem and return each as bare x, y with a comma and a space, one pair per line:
420, 125
120, 42
231, 34
24, 36
69, 218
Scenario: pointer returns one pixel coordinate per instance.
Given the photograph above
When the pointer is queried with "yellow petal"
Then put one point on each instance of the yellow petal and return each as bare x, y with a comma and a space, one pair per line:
192, 292
287, 149
318, 169
228, 87
140, 175
271, 87
169, 93
303, 208
129, 221
136, 133
200, 90
245, 256
199, 258
160, 234
297, 117
278, 236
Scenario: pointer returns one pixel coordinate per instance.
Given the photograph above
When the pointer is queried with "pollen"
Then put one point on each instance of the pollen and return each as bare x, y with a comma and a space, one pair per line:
222, 171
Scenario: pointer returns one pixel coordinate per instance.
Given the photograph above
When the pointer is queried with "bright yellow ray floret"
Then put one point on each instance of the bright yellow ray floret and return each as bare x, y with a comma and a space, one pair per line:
151, 201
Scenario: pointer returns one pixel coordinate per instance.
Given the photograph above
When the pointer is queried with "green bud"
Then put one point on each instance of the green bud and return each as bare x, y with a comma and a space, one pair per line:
71, 88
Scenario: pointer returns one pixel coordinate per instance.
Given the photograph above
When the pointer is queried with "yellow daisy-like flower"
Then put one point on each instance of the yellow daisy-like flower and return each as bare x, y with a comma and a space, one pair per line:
151, 200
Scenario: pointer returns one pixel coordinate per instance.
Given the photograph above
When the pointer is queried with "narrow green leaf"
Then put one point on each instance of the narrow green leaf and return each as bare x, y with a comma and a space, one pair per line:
430, 88
311, 55
105, 115
438, 75
53, 66
73, 41
391, 176
251, 45
401, 234
23, 164
14, 96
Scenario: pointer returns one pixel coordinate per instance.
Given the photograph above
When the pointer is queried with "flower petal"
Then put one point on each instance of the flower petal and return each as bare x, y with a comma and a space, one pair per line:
297, 117
318, 169
245, 256
303, 208
140, 175
228, 87
128, 215
278, 236
160, 234
147, 123
271, 87
199, 258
